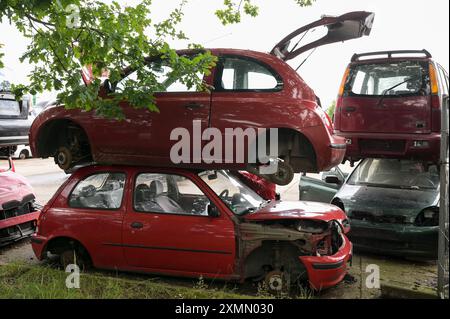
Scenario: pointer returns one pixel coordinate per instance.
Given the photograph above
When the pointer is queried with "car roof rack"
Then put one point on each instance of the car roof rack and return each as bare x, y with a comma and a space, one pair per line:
356, 57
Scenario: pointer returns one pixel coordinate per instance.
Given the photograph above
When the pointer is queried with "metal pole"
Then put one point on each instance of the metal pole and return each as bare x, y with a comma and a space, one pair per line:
443, 257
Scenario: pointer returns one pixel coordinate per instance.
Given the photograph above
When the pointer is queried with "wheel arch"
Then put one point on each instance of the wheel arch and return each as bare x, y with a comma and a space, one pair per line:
57, 245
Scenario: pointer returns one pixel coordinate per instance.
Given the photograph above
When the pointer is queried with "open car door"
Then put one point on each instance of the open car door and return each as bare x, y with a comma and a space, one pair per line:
349, 26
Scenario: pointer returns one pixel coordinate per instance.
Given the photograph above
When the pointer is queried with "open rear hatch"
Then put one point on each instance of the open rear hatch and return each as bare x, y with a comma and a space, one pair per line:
348, 26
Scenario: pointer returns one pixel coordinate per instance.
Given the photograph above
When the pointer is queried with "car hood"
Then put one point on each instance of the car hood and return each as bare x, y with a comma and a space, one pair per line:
282, 210
386, 201
13, 187
348, 26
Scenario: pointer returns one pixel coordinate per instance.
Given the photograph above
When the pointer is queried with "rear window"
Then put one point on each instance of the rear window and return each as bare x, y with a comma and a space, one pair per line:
388, 79
9, 108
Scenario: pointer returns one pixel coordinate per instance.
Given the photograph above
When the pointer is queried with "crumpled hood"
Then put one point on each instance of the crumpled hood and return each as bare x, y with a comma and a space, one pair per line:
13, 187
283, 210
386, 201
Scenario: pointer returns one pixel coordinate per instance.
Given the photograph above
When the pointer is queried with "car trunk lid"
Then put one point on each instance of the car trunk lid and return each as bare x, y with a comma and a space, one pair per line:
386, 97
349, 26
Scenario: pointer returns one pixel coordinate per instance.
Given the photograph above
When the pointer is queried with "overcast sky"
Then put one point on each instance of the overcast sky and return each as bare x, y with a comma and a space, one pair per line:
399, 24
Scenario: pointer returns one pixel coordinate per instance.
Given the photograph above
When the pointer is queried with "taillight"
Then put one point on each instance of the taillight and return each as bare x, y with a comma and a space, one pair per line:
435, 100
344, 80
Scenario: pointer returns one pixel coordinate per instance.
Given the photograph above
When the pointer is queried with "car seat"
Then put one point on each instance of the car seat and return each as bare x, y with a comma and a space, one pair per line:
167, 204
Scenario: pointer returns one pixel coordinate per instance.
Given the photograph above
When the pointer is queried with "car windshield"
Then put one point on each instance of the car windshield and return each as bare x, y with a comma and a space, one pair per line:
394, 173
237, 196
388, 79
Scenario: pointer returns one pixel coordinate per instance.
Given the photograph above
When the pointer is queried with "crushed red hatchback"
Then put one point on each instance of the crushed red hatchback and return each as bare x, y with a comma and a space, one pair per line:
191, 223
250, 90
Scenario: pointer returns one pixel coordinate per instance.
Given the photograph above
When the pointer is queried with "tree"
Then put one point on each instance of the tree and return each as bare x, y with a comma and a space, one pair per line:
67, 35
330, 109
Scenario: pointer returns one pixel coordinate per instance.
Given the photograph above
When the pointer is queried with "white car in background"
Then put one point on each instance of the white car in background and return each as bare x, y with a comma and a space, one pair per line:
22, 152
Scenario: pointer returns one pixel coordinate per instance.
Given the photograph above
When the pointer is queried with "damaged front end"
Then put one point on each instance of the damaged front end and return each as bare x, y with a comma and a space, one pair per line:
294, 250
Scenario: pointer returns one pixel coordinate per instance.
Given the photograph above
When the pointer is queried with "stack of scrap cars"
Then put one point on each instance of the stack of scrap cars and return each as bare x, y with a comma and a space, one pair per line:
129, 207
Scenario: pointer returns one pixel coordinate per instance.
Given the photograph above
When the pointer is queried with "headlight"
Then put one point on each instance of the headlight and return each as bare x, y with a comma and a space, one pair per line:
428, 217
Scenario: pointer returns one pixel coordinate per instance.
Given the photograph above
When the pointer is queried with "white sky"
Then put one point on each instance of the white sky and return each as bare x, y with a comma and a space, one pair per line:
399, 24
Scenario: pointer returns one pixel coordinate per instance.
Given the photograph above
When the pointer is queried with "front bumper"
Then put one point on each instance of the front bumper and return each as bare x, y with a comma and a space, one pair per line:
395, 239
328, 271
38, 244
7, 237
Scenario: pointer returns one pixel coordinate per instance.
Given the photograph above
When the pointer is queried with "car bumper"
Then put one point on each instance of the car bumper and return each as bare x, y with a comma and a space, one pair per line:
38, 244
7, 237
395, 239
328, 154
362, 145
328, 271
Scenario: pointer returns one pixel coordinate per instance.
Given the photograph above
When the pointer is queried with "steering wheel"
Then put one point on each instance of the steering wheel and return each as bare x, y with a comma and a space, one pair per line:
423, 180
224, 194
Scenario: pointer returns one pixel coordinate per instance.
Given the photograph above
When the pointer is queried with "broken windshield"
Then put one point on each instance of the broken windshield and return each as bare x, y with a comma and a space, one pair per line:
237, 196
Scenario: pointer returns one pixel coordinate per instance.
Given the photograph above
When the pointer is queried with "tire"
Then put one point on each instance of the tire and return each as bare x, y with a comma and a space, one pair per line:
23, 155
64, 158
283, 176
74, 256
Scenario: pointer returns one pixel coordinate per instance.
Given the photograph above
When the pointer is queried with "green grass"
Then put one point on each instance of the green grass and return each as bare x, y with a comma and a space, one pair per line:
44, 282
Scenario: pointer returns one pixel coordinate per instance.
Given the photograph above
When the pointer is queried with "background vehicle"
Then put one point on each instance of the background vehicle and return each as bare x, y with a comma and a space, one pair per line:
389, 105
392, 206
15, 120
22, 152
204, 224
18, 211
323, 187
251, 90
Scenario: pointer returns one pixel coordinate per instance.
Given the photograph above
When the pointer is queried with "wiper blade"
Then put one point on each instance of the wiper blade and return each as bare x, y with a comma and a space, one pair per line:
393, 87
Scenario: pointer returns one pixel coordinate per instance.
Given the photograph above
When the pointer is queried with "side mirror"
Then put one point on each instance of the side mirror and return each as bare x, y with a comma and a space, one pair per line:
277, 196
332, 180
213, 211
105, 89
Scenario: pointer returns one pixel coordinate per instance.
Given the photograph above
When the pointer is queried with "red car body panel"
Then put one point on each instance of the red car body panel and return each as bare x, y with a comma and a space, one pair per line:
144, 137
168, 243
390, 128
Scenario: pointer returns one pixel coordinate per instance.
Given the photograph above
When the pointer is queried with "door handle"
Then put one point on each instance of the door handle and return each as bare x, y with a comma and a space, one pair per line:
350, 109
193, 105
136, 225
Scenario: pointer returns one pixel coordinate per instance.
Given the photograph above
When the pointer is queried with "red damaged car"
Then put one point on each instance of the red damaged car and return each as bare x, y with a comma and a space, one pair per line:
18, 212
389, 105
191, 223
250, 90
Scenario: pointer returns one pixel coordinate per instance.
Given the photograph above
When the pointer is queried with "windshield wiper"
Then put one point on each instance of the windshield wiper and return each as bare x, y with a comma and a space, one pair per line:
393, 87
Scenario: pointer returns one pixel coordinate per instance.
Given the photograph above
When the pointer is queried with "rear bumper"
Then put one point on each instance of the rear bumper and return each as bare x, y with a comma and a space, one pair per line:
330, 149
19, 232
395, 145
328, 271
395, 239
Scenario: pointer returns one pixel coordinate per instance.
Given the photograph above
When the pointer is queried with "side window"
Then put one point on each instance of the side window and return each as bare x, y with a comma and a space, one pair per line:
162, 72
243, 74
101, 191
170, 194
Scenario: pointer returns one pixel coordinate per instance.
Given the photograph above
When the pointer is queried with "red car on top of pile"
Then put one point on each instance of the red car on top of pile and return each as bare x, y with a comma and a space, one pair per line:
389, 105
250, 89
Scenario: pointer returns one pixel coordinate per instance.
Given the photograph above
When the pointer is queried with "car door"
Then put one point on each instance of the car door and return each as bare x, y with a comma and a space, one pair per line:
147, 133
167, 228
91, 209
317, 189
248, 94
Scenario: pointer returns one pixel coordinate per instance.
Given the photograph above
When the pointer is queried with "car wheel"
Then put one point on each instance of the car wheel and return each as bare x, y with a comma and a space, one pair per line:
23, 155
64, 158
276, 282
284, 174
73, 257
